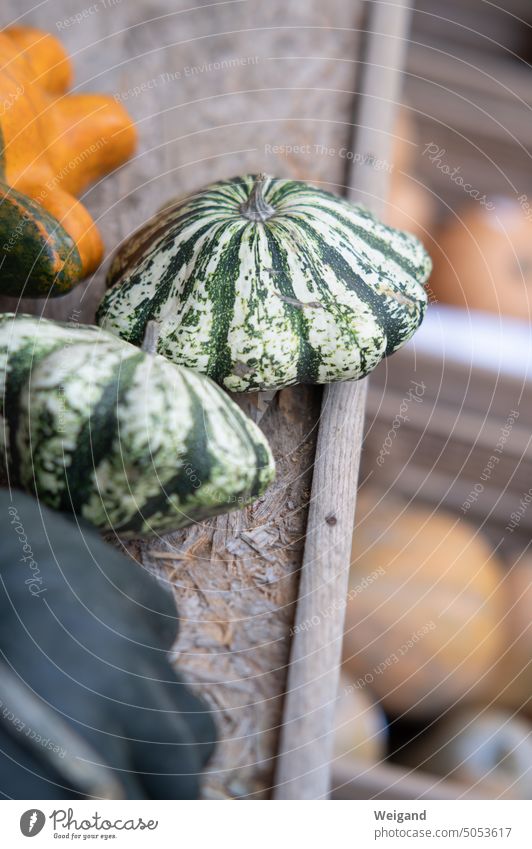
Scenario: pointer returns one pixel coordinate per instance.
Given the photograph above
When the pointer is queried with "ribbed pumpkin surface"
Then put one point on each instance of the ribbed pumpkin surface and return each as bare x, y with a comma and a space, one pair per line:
123, 438
316, 290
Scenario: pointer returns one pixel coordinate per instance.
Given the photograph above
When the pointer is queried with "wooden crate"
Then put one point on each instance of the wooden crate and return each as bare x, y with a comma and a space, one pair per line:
467, 83
466, 443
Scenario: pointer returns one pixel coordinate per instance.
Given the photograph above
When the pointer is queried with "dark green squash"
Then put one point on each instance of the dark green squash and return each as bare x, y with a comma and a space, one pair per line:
90, 704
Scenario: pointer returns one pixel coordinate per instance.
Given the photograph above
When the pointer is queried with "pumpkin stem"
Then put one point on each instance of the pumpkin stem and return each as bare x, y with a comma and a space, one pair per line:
151, 337
255, 207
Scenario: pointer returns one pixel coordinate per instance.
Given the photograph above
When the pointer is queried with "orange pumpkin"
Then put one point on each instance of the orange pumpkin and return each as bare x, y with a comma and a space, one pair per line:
483, 260
404, 142
409, 207
54, 145
423, 612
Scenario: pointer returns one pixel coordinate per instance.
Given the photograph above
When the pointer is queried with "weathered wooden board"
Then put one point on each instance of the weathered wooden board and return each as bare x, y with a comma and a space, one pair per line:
468, 85
237, 586
219, 89
352, 780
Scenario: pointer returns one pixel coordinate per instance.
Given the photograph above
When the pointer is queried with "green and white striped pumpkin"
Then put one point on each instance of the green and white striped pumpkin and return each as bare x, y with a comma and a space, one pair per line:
122, 437
261, 283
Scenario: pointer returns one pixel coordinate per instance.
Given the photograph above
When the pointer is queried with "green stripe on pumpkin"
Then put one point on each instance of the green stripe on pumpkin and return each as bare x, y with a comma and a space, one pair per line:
323, 254
96, 437
112, 433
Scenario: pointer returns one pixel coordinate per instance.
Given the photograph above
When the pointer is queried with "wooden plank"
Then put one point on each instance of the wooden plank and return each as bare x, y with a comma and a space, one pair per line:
444, 454
305, 742
353, 780
303, 768
472, 98
235, 581
494, 29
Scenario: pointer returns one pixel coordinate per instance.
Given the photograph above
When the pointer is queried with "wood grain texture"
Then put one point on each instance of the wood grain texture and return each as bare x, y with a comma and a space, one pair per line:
468, 84
236, 581
220, 89
303, 767
306, 737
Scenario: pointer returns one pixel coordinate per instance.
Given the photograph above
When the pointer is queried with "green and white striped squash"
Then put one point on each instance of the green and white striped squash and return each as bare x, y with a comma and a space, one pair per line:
261, 283
130, 442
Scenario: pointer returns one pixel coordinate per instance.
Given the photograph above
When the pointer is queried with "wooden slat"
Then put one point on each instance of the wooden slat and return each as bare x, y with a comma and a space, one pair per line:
469, 87
462, 425
303, 768
493, 28
235, 580
354, 780
237, 590
461, 449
